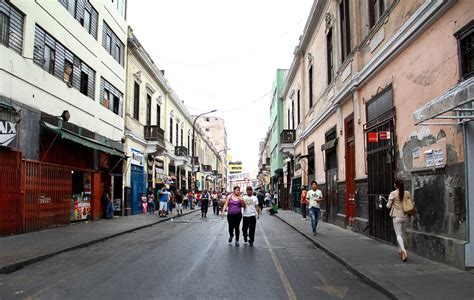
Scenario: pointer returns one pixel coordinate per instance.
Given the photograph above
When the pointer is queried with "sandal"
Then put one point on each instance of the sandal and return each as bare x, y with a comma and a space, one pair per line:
404, 256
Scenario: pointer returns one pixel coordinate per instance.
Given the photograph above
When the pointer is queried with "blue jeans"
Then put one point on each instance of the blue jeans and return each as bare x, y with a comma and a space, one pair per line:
314, 213
109, 212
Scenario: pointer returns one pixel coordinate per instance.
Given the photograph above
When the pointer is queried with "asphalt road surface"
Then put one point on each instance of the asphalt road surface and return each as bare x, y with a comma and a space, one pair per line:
190, 258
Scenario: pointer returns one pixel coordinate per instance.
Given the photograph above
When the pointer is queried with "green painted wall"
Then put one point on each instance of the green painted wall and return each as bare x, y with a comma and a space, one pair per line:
276, 121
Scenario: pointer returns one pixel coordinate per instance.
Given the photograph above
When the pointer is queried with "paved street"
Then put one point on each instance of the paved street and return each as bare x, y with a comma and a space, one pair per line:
190, 258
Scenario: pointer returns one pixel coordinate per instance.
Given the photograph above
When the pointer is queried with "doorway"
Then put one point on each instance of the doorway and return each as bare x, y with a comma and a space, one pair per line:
350, 170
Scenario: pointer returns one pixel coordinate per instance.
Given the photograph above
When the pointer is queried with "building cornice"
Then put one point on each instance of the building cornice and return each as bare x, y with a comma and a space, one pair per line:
425, 16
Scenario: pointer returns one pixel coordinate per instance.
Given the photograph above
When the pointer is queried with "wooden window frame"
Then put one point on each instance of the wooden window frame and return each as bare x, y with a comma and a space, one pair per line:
171, 130
158, 115
345, 29
310, 79
6, 39
465, 33
148, 109
136, 101
330, 56
299, 106
374, 5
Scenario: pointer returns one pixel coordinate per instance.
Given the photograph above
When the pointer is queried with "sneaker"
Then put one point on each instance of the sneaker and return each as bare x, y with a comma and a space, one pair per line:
230, 239
236, 243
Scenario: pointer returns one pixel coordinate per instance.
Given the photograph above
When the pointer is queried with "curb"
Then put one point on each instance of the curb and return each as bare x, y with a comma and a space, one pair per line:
364, 277
19, 265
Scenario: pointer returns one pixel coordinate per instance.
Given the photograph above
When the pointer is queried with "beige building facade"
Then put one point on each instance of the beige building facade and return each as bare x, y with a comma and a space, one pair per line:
360, 72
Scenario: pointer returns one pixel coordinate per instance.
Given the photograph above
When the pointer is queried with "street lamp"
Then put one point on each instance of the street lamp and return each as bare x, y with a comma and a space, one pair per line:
194, 144
217, 161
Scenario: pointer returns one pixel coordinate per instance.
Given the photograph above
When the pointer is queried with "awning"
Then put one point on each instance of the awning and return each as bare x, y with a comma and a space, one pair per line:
454, 107
84, 141
6, 105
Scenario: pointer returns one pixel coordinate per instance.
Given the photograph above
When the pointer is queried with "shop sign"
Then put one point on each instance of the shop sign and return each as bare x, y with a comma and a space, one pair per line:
373, 137
384, 135
7, 133
137, 158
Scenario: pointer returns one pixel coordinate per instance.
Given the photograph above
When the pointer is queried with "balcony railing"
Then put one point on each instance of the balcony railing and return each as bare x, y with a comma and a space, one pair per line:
181, 151
154, 133
207, 168
195, 161
288, 136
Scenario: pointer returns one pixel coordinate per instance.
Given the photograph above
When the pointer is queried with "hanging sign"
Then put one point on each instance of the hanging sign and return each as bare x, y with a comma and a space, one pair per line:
384, 135
7, 133
373, 137
137, 158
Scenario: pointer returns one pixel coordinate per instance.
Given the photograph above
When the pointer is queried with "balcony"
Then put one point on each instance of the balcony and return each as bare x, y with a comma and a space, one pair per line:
156, 138
287, 138
181, 151
180, 156
154, 133
207, 168
195, 161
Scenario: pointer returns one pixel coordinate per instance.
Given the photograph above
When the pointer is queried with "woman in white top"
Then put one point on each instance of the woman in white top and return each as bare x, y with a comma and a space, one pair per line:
399, 217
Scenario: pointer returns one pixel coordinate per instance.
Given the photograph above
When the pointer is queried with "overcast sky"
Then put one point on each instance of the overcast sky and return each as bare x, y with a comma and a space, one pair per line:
223, 55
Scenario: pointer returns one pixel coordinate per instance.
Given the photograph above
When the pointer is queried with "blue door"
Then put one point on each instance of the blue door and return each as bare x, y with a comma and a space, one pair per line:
138, 187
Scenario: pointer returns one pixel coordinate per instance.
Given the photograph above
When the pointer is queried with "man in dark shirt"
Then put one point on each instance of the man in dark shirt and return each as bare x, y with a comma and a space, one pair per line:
204, 204
261, 199
179, 202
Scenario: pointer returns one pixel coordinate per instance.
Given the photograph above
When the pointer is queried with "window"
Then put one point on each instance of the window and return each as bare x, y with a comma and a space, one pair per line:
108, 43
182, 137
177, 134
289, 120
345, 29
376, 10
292, 114
84, 83
4, 29
299, 105
68, 72
310, 77
158, 116
116, 105
86, 21
117, 53
71, 7
171, 130
330, 56
189, 141
148, 109
465, 38
136, 100
49, 57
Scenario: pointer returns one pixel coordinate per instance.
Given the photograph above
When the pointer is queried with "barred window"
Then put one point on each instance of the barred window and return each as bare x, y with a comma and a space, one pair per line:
11, 26
465, 38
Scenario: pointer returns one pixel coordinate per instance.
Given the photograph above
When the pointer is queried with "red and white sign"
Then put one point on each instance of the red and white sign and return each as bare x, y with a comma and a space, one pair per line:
384, 135
373, 137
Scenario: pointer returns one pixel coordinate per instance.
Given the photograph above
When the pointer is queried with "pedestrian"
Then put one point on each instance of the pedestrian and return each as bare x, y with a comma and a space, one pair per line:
261, 199
186, 199
151, 203
304, 201
314, 196
268, 199
399, 217
235, 203
109, 205
144, 203
251, 213
164, 197
179, 203
204, 204
170, 203
215, 203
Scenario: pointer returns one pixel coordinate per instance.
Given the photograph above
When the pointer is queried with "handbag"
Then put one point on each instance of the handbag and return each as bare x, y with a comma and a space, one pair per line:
408, 205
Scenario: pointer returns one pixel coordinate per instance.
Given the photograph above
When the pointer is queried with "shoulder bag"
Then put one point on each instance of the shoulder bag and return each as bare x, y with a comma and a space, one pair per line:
408, 205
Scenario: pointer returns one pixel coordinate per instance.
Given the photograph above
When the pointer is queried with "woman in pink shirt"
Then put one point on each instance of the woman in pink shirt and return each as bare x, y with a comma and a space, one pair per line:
234, 203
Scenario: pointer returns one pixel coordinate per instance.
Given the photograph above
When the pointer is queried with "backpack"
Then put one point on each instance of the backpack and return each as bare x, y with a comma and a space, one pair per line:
408, 205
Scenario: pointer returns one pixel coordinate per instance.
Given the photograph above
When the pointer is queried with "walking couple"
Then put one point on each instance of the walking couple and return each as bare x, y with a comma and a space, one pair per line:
251, 211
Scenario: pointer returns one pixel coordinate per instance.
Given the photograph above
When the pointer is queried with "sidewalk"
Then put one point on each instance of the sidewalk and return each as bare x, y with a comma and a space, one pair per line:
20, 250
380, 266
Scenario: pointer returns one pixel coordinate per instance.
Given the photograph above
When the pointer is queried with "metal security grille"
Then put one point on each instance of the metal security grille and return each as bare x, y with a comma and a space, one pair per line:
381, 175
47, 195
10, 196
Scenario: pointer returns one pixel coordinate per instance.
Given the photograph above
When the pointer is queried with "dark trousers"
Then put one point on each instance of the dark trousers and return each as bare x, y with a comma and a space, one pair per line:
204, 207
248, 225
234, 224
303, 210
215, 208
